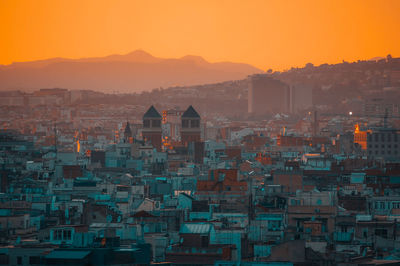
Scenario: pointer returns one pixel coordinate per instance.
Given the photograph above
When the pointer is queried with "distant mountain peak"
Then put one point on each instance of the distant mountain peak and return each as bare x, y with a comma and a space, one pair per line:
194, 58
134, 71
139, 53
140, 56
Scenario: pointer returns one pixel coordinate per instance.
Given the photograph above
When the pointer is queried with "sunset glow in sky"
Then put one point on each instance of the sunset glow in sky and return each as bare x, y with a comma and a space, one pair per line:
274, 34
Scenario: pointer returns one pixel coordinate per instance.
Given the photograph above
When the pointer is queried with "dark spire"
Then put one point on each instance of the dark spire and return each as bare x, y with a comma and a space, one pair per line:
190, 113
127, 131
152, 113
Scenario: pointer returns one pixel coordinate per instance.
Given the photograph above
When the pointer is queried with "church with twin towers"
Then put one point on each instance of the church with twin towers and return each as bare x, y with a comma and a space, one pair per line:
184, 132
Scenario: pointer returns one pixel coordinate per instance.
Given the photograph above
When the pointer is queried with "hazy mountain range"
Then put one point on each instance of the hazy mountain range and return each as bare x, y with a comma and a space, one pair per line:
136, 71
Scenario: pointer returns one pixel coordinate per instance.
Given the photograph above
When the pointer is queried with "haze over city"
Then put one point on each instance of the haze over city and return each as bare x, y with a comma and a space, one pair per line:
219, 133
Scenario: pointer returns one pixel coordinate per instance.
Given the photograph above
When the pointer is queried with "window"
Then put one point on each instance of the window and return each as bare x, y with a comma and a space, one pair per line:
185, 123
204, 241
156, 123
67, 235
381, 205
34, 260
381, 232
19, 260
396, 205
383, 137
57, 235
365, 232
4, 259
274, 225
146, 123
376, 137
195, 123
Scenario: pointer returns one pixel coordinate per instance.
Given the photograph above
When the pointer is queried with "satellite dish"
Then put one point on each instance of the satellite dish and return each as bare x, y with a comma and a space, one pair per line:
109, 218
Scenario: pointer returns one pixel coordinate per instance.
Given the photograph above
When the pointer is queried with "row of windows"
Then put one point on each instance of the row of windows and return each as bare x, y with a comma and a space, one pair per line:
383, 146
383, 137
389, 152
193, 123
154, 123
62, 234
382, 205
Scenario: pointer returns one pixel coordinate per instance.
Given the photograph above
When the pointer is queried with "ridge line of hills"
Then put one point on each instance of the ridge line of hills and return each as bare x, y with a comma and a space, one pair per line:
132, 72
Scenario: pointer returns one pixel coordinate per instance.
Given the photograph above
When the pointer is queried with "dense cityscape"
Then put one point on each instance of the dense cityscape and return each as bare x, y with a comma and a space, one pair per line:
299, 167
201, 132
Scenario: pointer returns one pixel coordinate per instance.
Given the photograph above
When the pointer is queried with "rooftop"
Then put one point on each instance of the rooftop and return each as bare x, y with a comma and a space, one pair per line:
190, 113
152, 113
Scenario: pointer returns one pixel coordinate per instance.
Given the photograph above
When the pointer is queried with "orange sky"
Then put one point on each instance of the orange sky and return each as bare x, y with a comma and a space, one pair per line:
266, 33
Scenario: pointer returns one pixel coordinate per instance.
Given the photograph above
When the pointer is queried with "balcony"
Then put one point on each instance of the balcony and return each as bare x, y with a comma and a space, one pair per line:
343, 236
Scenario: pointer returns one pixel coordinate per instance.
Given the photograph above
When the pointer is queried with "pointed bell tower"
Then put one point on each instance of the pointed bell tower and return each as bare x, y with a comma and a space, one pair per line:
127, 133
152, 132
190, 130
